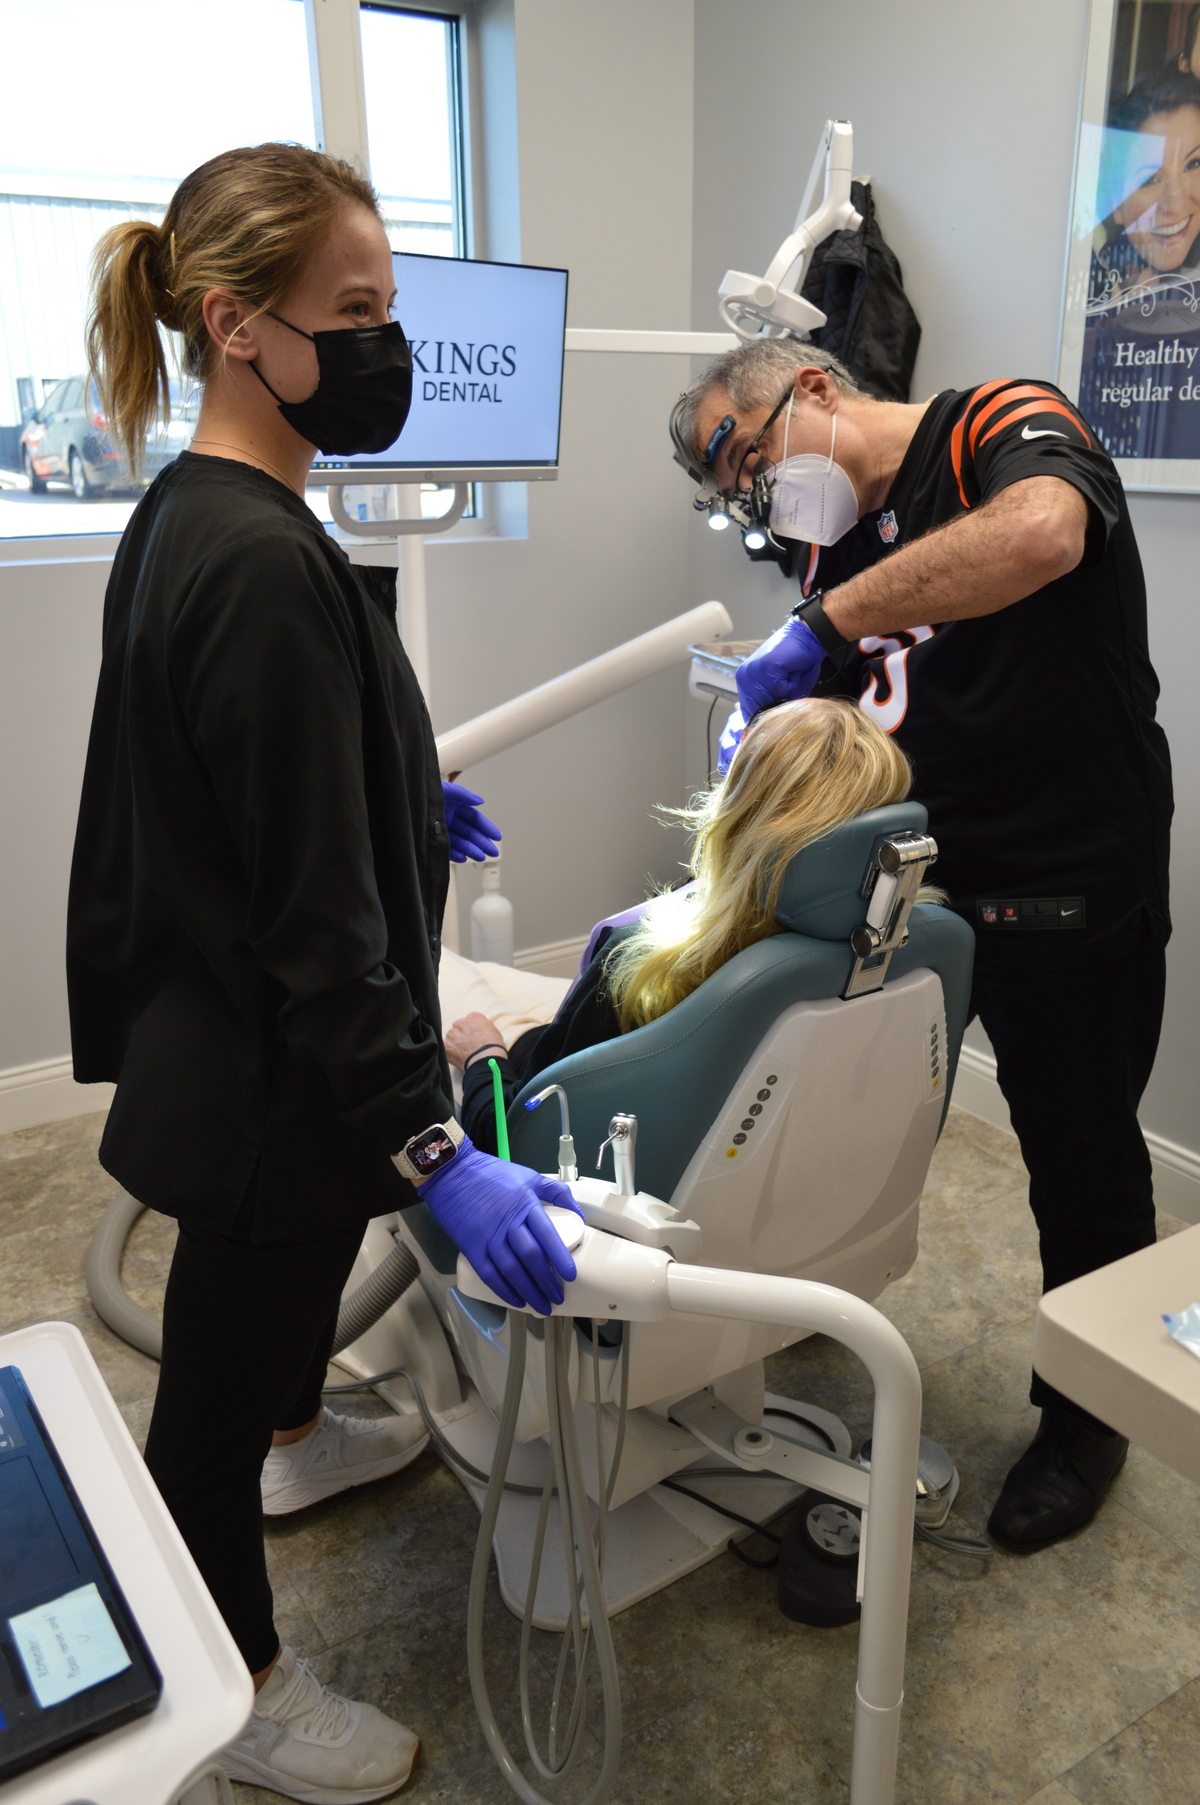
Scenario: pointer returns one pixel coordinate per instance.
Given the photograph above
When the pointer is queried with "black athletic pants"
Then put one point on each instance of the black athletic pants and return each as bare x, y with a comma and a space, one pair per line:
247, 1333
1074, 1051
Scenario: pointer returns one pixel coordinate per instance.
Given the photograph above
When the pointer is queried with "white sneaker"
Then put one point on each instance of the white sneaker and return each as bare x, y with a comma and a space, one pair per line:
340, 1452
307, 1743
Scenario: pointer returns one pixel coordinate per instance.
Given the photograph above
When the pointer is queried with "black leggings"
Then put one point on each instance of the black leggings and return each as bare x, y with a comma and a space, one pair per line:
1074, 1051
247, 1334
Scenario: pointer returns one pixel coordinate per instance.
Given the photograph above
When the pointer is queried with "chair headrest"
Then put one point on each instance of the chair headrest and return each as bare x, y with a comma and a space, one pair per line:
821, 894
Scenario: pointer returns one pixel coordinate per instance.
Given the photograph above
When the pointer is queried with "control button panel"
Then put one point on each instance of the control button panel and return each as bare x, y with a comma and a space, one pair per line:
752, 1117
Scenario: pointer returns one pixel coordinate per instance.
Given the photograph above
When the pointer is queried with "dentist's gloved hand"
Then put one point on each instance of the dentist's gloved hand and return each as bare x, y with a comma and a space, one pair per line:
472, 835
784, 668
492, 1211
730, 740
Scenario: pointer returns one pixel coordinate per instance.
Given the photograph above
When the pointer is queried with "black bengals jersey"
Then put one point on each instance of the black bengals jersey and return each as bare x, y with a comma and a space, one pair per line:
1031, 731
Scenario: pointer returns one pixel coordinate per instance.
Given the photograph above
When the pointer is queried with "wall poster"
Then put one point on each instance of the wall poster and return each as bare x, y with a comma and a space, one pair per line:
1131, 329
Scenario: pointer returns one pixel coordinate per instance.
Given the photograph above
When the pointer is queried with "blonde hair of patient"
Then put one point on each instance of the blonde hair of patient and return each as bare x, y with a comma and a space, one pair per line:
801, 769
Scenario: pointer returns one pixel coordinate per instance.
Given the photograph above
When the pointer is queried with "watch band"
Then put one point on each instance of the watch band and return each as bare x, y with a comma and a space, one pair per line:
403, 1164
813, 614
491, 1046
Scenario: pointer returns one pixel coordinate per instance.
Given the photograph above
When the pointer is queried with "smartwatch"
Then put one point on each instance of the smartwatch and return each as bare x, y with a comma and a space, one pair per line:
819, 624
429, 1151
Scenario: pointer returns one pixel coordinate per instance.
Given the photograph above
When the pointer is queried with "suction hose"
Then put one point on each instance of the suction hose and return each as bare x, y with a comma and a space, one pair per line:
583, 1549
377, 1293
113, 1304
143, 1330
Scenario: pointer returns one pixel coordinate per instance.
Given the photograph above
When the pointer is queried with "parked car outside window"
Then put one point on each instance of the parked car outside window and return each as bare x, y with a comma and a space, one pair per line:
67, 441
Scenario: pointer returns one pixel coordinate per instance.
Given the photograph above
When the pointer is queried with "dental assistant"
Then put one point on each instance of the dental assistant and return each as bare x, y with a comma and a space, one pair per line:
974, 583
256, 897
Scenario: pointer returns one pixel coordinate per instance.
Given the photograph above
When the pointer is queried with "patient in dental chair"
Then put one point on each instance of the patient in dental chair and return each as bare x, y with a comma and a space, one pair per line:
801, 769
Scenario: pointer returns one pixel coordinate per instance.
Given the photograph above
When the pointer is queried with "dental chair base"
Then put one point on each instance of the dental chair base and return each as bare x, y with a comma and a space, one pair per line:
655, 1537
636, 1284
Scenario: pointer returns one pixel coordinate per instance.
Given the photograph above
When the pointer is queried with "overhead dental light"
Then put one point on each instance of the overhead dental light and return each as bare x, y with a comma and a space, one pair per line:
771, 306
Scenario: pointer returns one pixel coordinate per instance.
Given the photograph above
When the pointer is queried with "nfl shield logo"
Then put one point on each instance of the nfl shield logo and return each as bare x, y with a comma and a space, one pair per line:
888, 529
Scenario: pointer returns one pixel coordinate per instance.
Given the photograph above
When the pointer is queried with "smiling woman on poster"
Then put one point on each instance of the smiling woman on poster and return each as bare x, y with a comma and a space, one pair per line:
1153, 233
1140, 381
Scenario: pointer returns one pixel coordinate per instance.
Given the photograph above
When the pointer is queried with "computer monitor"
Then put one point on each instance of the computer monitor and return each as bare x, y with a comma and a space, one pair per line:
487, 343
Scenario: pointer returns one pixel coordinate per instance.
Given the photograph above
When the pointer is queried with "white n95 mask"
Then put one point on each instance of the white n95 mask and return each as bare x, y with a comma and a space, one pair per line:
812, 498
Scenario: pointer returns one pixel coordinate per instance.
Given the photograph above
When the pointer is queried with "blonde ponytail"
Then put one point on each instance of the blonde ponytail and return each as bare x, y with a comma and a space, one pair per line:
125, 351
245, 221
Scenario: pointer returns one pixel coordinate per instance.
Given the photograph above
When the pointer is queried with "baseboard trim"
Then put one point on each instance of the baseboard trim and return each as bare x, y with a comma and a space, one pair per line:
46, 1092
1176, 1169
557, 959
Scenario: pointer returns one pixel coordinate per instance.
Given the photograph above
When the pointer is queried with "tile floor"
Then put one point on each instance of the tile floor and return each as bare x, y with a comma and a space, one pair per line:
1068, 1678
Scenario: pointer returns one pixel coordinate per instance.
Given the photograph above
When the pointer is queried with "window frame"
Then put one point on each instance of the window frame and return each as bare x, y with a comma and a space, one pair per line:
460, 190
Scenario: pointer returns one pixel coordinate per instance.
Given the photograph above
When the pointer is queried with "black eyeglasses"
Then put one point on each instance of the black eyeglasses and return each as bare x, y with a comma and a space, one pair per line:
756, 441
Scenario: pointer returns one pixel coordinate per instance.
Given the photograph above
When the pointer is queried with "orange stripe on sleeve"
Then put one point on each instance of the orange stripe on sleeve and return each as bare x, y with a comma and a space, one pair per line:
1017, 392
1032, 408
956, 437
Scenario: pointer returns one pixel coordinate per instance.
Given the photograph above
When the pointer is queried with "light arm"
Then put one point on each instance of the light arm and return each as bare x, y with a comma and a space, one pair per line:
1031, 533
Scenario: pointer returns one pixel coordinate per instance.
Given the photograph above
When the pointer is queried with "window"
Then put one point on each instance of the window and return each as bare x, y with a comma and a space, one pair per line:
110, 104
142, 91
412, 82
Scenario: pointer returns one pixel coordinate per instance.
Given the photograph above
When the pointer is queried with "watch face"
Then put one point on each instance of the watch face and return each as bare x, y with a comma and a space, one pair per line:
430, 1151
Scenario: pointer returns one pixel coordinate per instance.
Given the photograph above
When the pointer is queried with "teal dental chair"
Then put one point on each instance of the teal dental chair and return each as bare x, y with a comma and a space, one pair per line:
786, 1113
793, 1121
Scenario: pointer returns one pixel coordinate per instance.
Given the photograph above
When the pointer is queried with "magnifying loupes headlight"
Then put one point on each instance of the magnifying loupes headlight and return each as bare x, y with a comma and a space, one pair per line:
749, 508
708, 498
699, 468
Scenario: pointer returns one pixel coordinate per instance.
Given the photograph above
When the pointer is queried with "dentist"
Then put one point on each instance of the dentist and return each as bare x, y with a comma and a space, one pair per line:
971, 579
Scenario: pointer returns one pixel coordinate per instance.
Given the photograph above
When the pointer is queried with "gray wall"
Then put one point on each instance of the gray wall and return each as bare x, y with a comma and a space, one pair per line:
965, 118
49, 654
605, 191
603, 141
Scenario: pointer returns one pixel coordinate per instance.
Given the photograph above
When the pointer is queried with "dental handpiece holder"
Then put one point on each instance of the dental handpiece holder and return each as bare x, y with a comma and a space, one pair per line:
635, 1261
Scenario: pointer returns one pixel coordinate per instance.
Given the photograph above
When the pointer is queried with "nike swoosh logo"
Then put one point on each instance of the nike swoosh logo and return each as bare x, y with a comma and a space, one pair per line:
1046, 433
1068, 911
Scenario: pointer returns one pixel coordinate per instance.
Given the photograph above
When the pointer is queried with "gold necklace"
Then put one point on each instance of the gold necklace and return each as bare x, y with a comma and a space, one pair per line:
249, 454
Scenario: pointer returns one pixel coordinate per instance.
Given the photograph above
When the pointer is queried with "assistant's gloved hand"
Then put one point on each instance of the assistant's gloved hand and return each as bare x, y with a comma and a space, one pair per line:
492, 1211
730, 740
472, 835
784, 668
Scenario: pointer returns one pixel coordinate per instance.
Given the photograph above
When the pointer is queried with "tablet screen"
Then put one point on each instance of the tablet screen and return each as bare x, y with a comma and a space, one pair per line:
72, 1661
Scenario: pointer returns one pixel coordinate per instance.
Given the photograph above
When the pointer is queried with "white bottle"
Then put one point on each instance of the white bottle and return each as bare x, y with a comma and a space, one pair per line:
492, 920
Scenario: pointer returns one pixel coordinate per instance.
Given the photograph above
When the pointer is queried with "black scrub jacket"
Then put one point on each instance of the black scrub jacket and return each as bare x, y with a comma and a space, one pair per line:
260, 871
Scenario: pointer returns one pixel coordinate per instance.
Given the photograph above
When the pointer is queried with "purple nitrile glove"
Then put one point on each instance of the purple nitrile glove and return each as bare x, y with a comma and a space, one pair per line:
784, 668
472, 835
730, 740
492, 1211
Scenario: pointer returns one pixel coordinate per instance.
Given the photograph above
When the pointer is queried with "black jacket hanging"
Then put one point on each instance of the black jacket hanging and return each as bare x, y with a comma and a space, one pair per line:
870, 326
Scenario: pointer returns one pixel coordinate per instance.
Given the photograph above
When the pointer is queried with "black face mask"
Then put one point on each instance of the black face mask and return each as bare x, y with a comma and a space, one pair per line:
363, 392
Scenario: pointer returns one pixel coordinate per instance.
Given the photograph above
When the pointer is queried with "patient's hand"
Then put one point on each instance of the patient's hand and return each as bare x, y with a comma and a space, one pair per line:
464, 1037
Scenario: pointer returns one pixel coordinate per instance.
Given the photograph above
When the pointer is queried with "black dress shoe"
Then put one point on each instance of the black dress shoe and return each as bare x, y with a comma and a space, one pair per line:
1058, 1483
